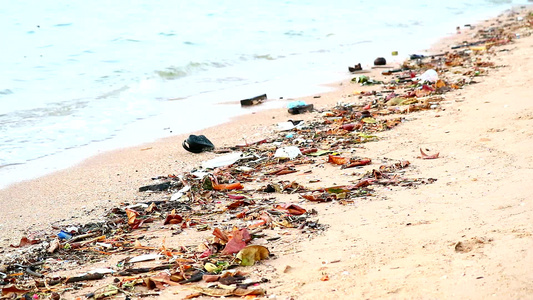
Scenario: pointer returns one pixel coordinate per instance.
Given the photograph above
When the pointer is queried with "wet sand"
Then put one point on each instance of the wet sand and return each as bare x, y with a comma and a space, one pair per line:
400, 245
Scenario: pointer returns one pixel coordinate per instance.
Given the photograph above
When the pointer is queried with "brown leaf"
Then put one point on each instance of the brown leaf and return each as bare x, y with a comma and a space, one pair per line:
292, 209
24, 241
313, 197
220, 234
11, 289
132, 219
173, 219
238, 203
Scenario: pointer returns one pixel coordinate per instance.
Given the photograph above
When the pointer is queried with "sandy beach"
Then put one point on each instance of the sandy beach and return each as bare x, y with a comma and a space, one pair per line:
467, 235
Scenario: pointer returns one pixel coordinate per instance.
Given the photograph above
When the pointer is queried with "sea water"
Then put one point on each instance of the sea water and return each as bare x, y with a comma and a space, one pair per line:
81, 77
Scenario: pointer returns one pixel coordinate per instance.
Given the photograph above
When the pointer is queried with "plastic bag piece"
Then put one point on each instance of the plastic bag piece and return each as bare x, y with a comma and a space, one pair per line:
197, 144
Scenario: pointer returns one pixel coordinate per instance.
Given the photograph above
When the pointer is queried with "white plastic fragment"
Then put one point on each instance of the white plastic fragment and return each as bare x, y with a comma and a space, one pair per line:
102, 271
284, 126
222, 161
430, 76
177, 195
144, 257
290, 152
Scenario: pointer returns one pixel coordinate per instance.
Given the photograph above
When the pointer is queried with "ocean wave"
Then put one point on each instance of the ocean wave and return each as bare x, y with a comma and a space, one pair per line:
173, 72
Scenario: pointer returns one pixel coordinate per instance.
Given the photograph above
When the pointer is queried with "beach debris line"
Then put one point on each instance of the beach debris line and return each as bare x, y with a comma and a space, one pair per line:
215, 226
197, 144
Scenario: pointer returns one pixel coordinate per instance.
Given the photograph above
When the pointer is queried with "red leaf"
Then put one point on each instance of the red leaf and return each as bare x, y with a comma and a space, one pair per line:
236, 197
292, 209
348, 127
237, 242
173, 219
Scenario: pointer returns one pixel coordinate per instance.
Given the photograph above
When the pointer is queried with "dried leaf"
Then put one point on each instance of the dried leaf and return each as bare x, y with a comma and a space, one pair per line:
24, 241
315, 197
218, 292
237, 242
221, 235
173, 219
337, 160
11, 289
227, 187
251, 254
292, 209
357, 163
337, 189
369, 120
319, 153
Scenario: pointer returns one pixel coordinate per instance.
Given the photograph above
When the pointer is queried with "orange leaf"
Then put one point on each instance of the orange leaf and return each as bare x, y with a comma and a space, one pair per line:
337, 160
357, 163
220, 234
132, 216
225, 187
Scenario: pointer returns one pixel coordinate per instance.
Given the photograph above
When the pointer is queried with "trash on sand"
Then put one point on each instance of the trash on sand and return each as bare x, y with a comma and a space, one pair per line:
180, 193
427, 156
299, 107
290, 125
380, 61
64, 235
254, 100
222, 161
197, 144
355, 68
429, 76
290, 152
365, 80
144, 257
250, 254
156, 187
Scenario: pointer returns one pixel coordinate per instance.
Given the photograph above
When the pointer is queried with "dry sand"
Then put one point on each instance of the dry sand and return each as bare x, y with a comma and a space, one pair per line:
466, 236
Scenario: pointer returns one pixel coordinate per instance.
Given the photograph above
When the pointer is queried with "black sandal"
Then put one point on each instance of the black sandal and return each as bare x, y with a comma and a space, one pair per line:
197, 144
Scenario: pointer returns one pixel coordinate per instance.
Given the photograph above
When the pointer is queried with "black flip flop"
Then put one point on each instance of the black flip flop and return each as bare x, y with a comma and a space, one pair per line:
197, 144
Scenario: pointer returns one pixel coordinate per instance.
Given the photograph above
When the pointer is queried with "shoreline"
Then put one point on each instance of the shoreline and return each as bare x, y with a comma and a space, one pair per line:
47, 165
113, 177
